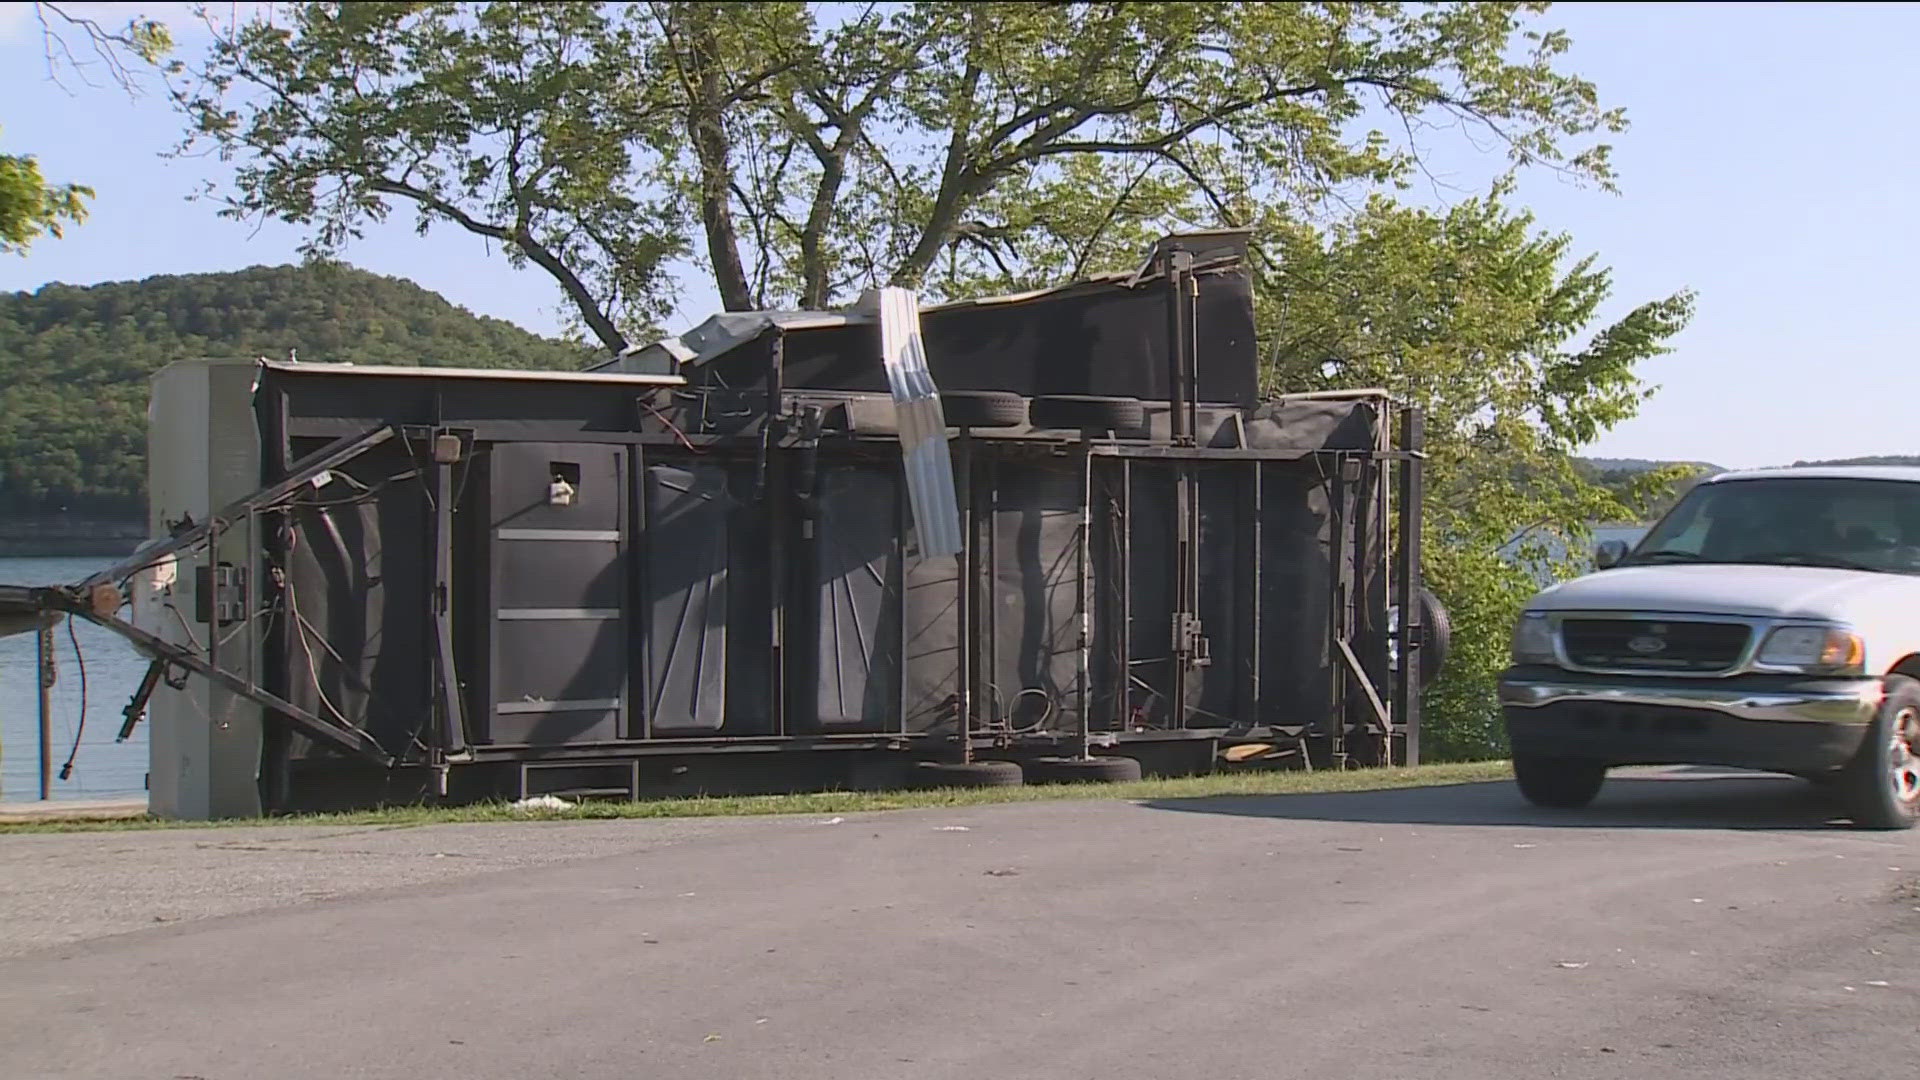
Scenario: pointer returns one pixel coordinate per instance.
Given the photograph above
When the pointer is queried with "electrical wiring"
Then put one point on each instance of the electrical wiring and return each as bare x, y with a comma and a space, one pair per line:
80, 661
671, 426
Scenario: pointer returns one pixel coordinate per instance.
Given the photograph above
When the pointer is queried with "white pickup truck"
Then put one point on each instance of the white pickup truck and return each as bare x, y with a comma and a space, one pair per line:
1770, 621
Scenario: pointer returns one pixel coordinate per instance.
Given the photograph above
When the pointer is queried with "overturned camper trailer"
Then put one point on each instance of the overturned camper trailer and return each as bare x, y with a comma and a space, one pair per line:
701, 568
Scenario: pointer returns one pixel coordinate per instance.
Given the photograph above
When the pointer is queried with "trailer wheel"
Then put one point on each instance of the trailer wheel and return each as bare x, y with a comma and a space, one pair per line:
1085, 412
983, 408
1070, 770
1439, 636
972, 774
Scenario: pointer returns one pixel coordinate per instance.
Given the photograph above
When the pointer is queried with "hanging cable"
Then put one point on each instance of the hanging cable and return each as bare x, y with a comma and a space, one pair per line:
80, 661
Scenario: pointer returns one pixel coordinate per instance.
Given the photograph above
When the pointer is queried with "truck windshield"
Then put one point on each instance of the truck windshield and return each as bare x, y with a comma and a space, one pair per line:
1792, 521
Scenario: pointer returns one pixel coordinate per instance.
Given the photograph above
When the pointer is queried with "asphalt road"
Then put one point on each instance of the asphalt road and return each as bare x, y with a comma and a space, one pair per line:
1691, 925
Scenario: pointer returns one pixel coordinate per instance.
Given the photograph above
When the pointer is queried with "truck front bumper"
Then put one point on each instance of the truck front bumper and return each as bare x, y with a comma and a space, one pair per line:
1780, 724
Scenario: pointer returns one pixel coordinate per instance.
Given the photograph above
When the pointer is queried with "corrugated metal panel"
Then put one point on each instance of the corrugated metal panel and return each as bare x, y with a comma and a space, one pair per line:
687, 563
923, 425
559, 577
859, 575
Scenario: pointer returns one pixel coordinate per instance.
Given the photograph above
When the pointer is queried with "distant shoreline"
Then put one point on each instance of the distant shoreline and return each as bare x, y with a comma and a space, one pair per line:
55, 535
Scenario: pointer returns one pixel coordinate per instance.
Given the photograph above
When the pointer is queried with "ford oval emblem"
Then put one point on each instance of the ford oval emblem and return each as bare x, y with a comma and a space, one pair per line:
1647, 644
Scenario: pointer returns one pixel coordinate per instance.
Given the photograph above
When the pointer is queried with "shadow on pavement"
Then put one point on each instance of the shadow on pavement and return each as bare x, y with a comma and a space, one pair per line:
1678, 800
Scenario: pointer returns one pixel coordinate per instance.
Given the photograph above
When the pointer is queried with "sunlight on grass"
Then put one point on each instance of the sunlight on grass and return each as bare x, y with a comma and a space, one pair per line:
848, 802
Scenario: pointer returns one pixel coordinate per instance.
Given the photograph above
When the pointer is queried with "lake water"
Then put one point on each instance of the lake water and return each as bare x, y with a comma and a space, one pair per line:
104, 769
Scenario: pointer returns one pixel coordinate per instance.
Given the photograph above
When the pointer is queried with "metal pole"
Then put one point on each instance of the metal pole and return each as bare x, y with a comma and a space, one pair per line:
1406, 688
43, 675
1180, 432
1085, 602
965, 567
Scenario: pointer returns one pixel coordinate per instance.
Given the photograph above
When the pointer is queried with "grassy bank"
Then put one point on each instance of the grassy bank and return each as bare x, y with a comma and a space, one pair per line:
849, 802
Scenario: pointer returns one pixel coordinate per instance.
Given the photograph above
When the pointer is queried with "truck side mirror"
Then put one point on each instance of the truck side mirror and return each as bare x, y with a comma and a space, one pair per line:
1609, 554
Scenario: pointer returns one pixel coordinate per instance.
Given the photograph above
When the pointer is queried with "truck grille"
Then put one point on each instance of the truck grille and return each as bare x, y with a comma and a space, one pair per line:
1650, 645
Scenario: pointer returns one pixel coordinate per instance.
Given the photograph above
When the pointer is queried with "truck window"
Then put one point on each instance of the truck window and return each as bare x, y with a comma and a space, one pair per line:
1848, 523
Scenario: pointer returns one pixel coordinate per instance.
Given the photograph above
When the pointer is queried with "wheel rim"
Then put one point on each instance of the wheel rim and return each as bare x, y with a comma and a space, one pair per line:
1904, 756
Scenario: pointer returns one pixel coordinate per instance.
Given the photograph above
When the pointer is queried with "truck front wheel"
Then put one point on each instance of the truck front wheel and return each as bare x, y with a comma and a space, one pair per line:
1558, 783
1882, 784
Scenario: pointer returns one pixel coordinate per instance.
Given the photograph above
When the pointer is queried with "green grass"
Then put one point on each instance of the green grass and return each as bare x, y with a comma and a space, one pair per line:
848, 802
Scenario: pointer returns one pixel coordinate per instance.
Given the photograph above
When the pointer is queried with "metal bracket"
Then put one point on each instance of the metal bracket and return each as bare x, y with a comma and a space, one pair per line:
1360, 676
220, 593
97, 599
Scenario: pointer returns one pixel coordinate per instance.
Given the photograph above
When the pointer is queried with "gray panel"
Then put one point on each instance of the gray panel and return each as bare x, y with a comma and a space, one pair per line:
858, 569
932, 643
588, 705
558, 660
559, 654
521, 474
1223, 533
1296, 587
554, 728
686, 584
544, 574
1036, 594
1150, 588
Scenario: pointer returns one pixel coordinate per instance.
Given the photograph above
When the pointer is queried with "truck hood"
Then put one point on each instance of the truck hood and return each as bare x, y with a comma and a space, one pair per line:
1788, 592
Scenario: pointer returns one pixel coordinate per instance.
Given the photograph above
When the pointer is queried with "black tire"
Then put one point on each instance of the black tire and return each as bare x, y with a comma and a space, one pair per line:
983, 408
1439, 636
973, 774
1558, 783
1881, 786
1097, 770
1083, 412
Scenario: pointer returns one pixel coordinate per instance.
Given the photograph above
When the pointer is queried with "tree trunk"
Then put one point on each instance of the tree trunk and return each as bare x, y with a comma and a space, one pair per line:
813, 262
706, 127
590, 311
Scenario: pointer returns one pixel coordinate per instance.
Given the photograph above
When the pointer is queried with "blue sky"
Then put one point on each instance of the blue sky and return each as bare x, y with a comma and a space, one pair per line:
1770, 167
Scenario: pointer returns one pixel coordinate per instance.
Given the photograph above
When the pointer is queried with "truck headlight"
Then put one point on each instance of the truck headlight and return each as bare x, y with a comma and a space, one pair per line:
1533, 640
1823, 650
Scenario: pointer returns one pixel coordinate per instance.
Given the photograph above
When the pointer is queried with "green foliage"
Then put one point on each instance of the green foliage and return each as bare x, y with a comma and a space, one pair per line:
804, 151
30, 207
517, 122
1485, 322
1647, 489
74, 361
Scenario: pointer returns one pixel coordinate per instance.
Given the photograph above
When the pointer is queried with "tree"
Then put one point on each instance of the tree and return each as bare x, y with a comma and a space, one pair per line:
801, 151
516, 122
1487, 323
29, 206
73, 405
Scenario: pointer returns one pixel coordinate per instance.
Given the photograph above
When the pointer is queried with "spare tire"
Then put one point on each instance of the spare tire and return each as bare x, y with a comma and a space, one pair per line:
1085, 412
983, 408
1437, 633
971, 774
1070, 770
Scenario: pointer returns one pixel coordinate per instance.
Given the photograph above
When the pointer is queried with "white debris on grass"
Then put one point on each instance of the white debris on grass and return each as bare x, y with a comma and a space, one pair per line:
550, 803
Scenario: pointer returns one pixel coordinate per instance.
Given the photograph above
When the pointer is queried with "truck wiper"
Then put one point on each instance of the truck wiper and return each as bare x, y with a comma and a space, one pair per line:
1808, 558
1667, 555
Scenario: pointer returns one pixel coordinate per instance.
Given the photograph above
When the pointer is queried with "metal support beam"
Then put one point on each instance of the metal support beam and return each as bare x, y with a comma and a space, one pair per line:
137, 707
1084, 601
1406, 581
346, 738
966, 567
452, 727
330, 456
43, 679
